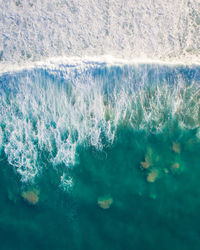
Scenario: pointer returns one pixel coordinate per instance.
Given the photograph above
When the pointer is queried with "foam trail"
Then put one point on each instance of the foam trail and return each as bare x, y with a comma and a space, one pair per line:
1, 139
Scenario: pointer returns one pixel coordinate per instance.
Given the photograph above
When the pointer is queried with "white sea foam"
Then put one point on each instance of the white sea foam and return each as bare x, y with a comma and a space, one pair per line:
160, 29
66, 182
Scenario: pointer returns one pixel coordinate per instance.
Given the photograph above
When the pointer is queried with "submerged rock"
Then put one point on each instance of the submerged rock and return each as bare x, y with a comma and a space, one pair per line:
175, 166
176, 148
148, 159
145, 164
152, 176
105, 202
31, 196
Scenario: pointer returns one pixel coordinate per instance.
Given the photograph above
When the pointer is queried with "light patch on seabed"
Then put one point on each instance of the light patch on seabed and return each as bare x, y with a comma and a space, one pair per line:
56, 110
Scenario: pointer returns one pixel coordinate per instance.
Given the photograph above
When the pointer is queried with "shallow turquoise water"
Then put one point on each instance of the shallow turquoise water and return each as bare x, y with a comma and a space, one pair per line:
153, 208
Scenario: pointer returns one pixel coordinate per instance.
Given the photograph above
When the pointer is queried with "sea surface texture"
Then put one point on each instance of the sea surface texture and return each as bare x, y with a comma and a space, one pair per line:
99, 125
99, 156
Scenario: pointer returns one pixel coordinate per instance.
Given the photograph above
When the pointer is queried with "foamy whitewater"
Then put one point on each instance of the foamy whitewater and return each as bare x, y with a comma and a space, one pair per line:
60, 109
167, 30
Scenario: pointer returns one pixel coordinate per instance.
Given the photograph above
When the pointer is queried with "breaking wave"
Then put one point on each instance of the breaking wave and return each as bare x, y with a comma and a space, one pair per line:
54, 111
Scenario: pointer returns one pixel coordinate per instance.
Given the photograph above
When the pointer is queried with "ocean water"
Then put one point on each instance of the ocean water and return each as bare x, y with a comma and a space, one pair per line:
98, 156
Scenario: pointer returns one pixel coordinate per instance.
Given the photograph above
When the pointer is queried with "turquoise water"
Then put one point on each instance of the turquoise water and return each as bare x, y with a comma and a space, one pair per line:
110, 154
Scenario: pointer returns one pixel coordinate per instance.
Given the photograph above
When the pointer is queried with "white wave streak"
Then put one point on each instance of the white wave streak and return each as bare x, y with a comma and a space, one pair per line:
43, 115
